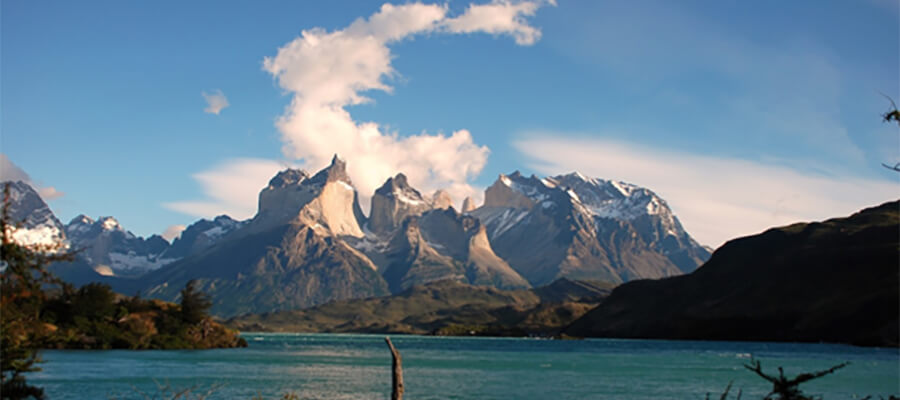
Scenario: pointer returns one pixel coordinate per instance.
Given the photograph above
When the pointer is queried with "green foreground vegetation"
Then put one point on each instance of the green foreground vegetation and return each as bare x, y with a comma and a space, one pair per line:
94, 317
39, 311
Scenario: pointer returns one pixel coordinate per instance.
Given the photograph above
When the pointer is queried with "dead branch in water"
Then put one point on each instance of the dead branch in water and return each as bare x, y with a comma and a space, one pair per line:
397, 375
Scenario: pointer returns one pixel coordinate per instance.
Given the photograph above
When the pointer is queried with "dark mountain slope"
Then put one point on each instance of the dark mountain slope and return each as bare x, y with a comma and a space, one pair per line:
834, 281
282, 268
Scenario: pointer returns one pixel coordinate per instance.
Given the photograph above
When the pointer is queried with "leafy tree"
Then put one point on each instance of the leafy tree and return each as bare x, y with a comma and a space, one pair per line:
23, 276
194, 304
95, 301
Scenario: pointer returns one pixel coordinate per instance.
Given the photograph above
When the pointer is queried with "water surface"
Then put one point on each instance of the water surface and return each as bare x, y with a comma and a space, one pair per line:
324, 366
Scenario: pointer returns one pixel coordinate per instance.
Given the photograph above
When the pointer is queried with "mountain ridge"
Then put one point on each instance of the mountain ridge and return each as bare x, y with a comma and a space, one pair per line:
310, 243
830, 281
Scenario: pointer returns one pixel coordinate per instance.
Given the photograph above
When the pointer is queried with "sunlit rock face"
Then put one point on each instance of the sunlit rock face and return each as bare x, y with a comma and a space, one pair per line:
326, 201
585, 228
393, 202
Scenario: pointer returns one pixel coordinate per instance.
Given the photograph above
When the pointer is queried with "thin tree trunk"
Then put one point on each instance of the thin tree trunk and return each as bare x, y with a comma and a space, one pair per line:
397, 376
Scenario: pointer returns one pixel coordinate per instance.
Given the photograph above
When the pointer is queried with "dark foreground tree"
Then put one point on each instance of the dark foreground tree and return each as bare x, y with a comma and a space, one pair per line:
194, 304
784, 388
23, 277
891, 116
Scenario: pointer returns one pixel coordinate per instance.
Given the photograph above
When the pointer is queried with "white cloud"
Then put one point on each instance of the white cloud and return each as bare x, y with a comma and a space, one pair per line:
11, 172
215, 102
172, 232
231, 188
500, 17
716, 199
328, 71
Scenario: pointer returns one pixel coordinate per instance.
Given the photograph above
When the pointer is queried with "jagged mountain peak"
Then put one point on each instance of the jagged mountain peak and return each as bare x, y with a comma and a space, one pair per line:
288, 177
110, 224
468, 205
393, 202
336, 171
81, 219
35, 223
398, 187
517, 191
590, 228
326, 202
614, 199
441, 199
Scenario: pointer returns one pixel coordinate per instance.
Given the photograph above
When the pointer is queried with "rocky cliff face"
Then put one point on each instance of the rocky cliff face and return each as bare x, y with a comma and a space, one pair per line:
444, 245
468, 205
393, 202
292, 254
441, 200
326, 202
582, 228
287, 267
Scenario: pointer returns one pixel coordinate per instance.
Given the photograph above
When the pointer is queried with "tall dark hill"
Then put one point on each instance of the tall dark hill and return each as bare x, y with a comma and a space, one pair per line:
833, 281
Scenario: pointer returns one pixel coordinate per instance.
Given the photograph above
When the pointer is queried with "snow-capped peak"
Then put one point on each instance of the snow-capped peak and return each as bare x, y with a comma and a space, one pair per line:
81, 219
35, 223
109, 224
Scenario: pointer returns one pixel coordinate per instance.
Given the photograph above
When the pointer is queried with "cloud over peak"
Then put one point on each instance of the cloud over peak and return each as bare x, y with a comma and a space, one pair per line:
11, 172
327, 71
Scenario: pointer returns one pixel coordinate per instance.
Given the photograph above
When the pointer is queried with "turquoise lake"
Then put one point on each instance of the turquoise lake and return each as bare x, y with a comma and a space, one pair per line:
325, 366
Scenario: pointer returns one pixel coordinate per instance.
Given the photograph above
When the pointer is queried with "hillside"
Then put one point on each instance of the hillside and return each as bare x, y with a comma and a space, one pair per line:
445, 307
831, 281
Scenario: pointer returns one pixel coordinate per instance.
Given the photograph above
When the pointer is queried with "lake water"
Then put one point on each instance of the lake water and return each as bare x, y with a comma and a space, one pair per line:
323, 366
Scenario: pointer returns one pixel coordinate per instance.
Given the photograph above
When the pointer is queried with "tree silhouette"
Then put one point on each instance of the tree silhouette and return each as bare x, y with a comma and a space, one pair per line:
23, 276
784, 388
194, 304
891, 115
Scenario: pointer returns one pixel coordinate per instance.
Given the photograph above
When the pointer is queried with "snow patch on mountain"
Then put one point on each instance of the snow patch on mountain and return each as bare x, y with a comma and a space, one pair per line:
132, 263
38, 236
34, 224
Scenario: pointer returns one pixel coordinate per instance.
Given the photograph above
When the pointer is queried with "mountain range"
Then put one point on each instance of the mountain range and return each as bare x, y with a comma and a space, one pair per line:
310, 243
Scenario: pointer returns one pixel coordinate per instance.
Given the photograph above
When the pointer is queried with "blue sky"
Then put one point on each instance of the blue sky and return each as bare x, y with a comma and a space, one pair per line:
742, 115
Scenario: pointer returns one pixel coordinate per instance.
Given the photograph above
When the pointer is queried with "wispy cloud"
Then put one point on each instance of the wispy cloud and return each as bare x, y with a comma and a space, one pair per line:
215, 102
172, 232
11, 172
716, 199
726, 87
231, 188
500, 17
